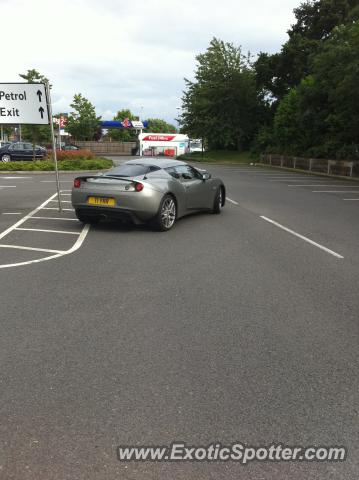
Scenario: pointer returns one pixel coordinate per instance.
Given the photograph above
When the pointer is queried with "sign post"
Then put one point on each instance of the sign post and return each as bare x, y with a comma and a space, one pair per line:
54, 153
28, 103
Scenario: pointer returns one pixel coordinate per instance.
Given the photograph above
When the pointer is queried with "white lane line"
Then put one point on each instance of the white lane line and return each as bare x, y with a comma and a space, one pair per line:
321, 185
232, 201
20, 247
57, 218
52, 208
11, 213
53, 181
26, 217
65, 191
7, 186
66, 194
351, 199
306, 239
75, 247
47, 231
282, 180
335, 191
12, 178
62, 201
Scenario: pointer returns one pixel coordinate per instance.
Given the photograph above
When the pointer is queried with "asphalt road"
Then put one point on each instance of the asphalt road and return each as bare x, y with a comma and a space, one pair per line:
226, 329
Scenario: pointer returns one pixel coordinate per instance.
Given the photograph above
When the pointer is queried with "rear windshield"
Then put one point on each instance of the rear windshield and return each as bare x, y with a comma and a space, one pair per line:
132, 170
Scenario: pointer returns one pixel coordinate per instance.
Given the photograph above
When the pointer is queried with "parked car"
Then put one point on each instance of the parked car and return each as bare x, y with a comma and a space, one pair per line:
21, 151
70, 147
3, 143
155, 190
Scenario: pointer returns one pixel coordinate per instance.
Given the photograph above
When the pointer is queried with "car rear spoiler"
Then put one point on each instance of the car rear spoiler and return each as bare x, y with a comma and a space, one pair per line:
112, 177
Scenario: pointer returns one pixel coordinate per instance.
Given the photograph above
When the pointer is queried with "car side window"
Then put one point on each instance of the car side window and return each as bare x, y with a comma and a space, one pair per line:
18, 146
187, 173
27, 146
172, 172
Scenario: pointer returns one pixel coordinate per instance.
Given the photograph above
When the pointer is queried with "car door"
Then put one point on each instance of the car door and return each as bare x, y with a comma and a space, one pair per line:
28, 151
17, 151
197, 190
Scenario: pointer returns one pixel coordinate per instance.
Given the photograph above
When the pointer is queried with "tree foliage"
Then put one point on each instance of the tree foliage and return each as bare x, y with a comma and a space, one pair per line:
313, 83
156, 125
222, 104
82, 122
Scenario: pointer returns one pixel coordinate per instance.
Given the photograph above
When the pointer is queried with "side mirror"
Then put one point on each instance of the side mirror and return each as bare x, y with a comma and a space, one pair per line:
206, 176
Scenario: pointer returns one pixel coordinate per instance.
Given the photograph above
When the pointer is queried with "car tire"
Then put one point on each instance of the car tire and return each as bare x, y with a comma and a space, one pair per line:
167, 214
87, 218
5, 158
218, 201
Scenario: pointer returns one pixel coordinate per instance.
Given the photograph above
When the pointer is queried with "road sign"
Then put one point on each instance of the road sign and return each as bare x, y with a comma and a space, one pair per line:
23, 103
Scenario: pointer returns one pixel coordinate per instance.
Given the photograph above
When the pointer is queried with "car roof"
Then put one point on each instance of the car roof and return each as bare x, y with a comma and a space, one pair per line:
157, 162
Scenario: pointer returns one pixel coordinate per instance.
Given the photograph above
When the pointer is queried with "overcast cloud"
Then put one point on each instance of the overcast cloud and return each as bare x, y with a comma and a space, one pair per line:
122, 54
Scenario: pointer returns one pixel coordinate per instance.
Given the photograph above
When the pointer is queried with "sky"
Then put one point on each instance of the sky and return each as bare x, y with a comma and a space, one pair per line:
122, 54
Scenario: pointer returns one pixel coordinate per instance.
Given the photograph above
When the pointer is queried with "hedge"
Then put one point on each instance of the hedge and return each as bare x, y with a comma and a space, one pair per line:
72, 154
48, 165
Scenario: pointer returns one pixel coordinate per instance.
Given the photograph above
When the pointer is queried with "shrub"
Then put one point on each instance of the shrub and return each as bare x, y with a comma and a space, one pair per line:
72, 154
48, 165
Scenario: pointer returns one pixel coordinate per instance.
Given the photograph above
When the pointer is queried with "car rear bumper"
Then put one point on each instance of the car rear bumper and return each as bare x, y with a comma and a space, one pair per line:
113, 214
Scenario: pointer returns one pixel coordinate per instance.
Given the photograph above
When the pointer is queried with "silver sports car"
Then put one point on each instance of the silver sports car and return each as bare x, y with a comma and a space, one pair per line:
153, 190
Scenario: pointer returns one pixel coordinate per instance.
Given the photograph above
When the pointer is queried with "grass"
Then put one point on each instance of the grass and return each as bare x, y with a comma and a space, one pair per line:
48, 165
221, 157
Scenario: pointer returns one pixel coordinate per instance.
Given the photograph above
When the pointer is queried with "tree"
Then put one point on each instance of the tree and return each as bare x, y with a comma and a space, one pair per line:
315, 20
223, 104
82, 123
123, 134
156, 125
35, 133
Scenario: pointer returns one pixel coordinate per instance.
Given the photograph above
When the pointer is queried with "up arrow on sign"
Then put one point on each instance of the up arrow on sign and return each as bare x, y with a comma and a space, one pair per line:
19, 104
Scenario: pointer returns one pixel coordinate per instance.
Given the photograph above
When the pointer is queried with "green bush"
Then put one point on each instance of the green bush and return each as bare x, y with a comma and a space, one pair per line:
48, 165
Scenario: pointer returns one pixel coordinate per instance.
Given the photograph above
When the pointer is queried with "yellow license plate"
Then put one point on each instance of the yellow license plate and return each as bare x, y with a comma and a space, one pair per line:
107, 202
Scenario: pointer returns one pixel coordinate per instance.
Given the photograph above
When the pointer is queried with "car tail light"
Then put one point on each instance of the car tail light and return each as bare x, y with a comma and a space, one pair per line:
77, 183
139, 186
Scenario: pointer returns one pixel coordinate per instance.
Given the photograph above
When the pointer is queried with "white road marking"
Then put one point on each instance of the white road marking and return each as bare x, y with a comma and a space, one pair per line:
7, 186
64, 209
47, 231
13, 178
65, 191
62, 201
232, 201
351, 199
287, 180
334, 191
321, 185
26, 217
20, 247
57, 218
75, 247
11, 213
66, 194
53, 181
306, 239
81, 237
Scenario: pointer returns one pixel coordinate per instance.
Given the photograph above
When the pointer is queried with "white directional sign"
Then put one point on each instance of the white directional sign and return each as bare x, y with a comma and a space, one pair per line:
23, 103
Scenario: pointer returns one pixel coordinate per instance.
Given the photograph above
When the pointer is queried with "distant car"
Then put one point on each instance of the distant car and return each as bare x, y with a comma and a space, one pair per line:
70, 147
20, 151
3, 143
155, 190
